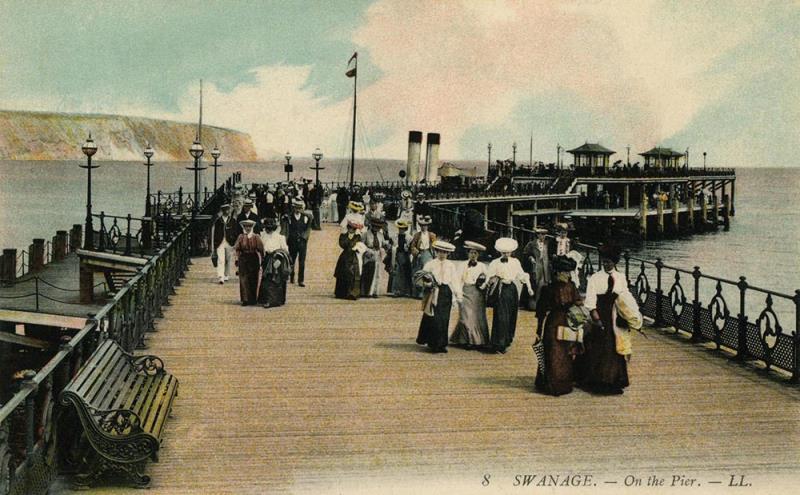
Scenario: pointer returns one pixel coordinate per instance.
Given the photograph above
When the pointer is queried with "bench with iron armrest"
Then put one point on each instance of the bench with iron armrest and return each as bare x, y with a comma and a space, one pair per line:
122, 402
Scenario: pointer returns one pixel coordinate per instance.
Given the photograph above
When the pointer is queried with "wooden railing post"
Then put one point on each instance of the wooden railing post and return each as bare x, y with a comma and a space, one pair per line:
659, 317
75, 235
697, 332
127, 236
9, 267
60, 248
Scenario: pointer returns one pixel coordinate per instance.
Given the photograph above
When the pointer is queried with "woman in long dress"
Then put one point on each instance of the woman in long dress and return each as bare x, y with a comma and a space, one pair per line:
505, 277
554, 302
602, 369
375, 240
348, 266
537, 264
276, 268
440, 282
422, 248
472, 330
400, 277
249, 252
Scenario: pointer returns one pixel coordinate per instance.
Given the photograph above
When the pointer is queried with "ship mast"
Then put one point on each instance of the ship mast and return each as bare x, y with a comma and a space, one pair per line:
354, 74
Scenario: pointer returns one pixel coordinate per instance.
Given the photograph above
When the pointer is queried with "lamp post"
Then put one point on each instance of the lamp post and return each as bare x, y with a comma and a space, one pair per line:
196, 150
514, 152
215, 153
704, 161
317, 155
89, 149
288, 167
148, 153
490, 153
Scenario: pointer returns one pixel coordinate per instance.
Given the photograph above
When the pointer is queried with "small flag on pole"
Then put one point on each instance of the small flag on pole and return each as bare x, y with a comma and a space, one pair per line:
352, 72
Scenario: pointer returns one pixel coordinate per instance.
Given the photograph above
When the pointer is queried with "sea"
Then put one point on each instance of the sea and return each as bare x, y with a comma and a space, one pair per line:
763, 244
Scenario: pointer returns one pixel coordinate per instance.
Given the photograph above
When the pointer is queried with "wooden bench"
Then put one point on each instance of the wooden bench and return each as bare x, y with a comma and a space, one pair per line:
123, 402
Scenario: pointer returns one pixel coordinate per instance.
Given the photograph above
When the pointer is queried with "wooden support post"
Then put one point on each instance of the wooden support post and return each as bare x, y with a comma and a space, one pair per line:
726, 212
643, 215
75, 235
690, 206
627, 196
714, 205
733, 198
486, 216
511, 219
86, 284
8, 270
675, 214
37, 255
660, 213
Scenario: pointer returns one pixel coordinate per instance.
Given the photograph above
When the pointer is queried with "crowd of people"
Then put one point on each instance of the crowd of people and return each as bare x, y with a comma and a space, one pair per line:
582, 335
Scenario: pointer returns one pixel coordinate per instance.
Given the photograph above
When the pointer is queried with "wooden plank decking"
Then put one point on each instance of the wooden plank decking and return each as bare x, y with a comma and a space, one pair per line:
328, 396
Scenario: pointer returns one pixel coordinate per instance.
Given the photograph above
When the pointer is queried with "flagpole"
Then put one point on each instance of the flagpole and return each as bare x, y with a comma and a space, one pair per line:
353, 147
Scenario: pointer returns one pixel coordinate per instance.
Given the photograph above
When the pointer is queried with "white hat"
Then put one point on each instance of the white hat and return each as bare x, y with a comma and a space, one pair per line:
298, 202
474, 245
443, 246
247, 223
506, 245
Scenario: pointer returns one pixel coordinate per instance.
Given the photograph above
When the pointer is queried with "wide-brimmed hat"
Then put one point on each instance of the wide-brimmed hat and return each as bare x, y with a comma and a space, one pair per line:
562, 227
226, 205
424, 220
506, 245
564, 264
401, 224
609, 252
443, 246
474, 245
540, 230
248, 202
298, 202
355, 206
247, 223
405, 194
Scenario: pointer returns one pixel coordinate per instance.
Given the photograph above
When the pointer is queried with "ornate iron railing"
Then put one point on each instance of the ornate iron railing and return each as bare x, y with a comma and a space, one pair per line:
37, 440
748, 322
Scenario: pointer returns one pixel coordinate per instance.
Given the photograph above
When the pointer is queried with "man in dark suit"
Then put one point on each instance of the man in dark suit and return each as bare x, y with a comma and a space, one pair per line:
296, 226
224, 232
248, 214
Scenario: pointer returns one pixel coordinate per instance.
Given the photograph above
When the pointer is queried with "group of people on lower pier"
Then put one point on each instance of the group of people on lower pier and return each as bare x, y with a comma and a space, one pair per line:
264, 248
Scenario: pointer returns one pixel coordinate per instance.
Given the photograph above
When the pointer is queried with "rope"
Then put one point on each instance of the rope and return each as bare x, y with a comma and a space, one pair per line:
18, 297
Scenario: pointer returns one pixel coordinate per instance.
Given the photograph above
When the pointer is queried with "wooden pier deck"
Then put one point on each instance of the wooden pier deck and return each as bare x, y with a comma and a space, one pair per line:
329, 396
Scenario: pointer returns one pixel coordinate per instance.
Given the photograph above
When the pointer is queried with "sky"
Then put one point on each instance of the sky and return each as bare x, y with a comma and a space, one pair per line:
719, 76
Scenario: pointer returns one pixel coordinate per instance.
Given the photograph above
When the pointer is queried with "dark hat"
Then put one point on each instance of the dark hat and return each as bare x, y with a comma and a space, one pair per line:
564, 264
609, 252
270, 223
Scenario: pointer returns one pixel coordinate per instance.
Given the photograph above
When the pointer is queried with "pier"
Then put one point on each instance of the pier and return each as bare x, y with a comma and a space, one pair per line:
326, 395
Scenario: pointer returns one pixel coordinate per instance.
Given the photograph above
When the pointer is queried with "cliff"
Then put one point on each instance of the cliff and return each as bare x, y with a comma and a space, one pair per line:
59, 136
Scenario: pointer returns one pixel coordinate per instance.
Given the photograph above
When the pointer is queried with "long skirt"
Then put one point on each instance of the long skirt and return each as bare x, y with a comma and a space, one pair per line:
249, 277
419, 262
558, 373
600, 368
472, 327
273, 288
433, 330
400, 279
504, 319
370, 279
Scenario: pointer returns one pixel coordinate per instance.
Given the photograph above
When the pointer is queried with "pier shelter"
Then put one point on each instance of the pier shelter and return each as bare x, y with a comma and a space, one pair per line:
661, 158
592, 155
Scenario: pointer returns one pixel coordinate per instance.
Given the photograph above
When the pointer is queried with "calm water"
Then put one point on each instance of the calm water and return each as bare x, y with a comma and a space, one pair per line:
38, 198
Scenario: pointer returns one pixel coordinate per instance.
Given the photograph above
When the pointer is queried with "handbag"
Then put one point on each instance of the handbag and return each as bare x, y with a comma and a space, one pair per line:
214, 259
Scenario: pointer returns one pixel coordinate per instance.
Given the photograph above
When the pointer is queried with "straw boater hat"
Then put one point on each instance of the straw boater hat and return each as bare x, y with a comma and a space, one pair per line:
474, 245
405, 194
355, 206
505, 245
226, 205
298, 202
424, 220
247, 223
443, 246
562, 227
248, 202
401, 224
540, 230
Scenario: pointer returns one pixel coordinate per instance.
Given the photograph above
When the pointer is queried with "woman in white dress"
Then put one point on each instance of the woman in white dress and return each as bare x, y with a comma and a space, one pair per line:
439, 278
276, 267
472, 330
505, 278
